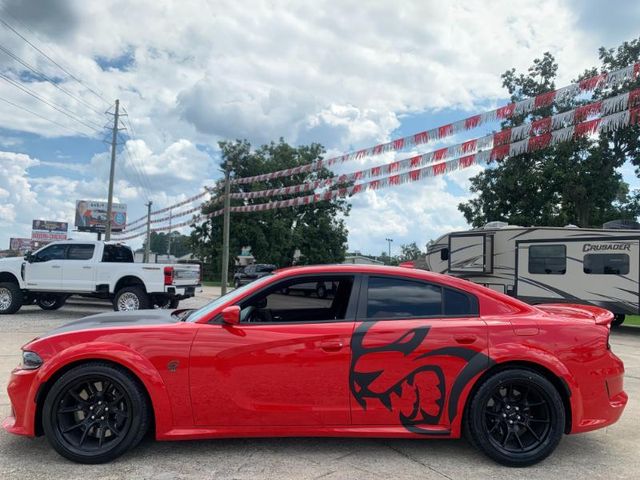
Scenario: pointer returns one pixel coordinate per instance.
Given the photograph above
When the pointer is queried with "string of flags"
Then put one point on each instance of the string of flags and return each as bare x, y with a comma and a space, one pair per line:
614, 112
607, 123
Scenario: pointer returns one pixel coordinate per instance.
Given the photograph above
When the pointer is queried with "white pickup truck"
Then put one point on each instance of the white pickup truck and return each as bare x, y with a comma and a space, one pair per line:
92, 268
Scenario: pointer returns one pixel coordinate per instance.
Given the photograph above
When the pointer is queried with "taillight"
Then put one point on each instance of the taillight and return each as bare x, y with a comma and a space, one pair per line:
168, 275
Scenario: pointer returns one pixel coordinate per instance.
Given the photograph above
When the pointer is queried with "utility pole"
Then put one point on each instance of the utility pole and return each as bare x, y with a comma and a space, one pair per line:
225, 227
147, 246
114, 144
169, 235
389, 240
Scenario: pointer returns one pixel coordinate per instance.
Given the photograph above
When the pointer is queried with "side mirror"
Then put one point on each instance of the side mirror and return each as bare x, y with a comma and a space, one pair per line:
28, 257
231, 315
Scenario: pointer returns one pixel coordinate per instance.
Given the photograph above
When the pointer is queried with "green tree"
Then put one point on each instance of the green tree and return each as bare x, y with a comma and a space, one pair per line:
410, 252
180, 244
576, 182
317, 230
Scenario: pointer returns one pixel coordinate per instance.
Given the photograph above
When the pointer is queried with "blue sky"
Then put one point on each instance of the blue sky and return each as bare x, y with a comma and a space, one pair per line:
338, 73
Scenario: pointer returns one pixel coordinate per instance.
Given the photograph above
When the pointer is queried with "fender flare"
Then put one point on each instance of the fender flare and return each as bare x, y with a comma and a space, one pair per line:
115, 353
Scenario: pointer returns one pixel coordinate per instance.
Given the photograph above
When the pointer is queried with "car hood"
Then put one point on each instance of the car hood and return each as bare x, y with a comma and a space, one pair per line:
116, 319
11, 261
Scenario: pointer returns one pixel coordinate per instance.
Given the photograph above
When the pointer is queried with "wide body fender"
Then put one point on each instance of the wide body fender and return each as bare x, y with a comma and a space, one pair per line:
119, 354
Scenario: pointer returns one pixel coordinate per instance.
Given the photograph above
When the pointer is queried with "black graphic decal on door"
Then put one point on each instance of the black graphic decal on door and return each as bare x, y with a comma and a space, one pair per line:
419, 395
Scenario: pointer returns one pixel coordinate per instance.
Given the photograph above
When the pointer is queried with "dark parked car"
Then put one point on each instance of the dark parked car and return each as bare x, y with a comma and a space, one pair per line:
252, 272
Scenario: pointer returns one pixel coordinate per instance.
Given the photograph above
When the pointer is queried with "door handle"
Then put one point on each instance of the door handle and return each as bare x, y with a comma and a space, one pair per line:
55, 266
331, 345
86, 268
465, 339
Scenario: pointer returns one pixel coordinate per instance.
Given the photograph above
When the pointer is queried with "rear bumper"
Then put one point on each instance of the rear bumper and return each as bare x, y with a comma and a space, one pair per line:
181, 292
603, 397
21, 391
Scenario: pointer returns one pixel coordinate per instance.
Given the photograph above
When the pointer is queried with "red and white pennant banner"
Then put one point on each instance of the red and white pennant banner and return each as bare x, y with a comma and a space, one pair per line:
606, 79
507, 135
606, 123
143, 219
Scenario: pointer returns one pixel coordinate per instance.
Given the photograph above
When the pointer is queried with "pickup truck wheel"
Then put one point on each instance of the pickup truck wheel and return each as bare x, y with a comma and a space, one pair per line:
51, 302
166, 302
236, 283
131, 298
10, 298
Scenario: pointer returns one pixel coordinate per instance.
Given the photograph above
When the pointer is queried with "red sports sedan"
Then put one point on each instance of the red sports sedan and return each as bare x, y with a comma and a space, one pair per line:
387, 352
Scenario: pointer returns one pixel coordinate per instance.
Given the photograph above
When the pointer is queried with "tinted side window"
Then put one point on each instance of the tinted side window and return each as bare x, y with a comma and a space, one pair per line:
606, 264
459, 304
396, 298
80, 252
117, 254
548, 259
444, 254
307, 299
53, 252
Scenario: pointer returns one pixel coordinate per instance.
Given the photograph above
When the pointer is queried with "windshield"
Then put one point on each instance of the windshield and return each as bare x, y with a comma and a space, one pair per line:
211, 306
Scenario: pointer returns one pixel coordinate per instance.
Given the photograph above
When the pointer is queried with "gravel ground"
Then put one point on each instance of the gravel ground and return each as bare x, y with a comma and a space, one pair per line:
606, 454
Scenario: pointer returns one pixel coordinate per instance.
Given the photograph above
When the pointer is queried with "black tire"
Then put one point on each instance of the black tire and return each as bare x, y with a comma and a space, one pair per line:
165, 302
516, 417
236, 283
51, 301
618, 319
131, 298
11, 298
321, 291
73, 427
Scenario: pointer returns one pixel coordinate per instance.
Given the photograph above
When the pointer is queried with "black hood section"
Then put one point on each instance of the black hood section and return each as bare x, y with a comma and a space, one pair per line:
116, 319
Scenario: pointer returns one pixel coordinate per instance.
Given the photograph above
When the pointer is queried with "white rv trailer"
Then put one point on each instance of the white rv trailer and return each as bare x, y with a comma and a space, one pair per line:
546, 264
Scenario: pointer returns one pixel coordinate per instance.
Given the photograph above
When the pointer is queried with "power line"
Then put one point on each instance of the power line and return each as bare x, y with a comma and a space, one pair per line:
47, 79
62, 110
7, 25
43, 117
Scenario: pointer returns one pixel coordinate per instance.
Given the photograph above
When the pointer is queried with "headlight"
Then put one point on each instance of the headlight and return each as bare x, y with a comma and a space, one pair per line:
31, 360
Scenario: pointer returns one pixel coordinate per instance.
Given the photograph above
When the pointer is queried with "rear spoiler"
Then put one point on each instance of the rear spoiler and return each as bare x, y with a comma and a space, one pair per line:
599, 315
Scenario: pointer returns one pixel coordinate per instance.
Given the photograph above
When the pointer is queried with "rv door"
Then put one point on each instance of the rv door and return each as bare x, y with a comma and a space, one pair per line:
602, 272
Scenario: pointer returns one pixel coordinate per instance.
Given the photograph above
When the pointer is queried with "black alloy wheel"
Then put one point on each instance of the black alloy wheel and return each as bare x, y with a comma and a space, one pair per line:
516, 417
94, 413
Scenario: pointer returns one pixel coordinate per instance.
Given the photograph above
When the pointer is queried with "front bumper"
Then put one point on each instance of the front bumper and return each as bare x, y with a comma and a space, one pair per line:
22, 395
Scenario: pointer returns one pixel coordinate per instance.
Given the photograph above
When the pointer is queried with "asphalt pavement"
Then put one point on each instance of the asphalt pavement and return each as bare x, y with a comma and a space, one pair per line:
611, 453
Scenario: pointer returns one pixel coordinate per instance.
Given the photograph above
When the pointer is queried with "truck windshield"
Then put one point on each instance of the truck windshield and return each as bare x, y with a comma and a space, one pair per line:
211, 306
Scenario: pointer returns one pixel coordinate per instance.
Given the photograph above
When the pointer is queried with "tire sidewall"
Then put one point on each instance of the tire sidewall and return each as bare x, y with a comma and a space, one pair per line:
479, 435
143, 299
16, 297
139, 412
58, 303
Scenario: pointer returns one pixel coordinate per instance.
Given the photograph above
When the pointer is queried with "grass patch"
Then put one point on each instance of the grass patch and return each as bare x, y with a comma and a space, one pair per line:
632, 320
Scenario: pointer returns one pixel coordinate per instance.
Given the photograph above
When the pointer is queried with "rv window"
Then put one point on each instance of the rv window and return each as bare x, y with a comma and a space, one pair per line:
606, 264
548, 259
444, 254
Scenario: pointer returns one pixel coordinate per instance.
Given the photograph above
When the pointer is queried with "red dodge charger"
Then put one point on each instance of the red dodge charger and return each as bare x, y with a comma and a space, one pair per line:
384, 352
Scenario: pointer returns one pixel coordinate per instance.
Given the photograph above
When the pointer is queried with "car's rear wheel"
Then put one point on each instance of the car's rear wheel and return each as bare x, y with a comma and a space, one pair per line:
94, 413
51, 301
10, 297
131, 298
236, 283
516, 417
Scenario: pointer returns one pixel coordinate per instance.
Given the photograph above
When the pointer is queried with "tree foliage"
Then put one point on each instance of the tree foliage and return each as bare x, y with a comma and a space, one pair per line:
180, 244
576, 182
317, 231
410, 252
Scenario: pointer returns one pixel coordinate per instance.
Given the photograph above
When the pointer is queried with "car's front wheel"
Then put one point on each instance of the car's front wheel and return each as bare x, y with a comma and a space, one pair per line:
516, 417
95, 412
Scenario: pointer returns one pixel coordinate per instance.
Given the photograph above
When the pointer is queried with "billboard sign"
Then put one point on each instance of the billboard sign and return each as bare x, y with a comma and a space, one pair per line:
91, 216
22, 245
49, 226
48, 236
